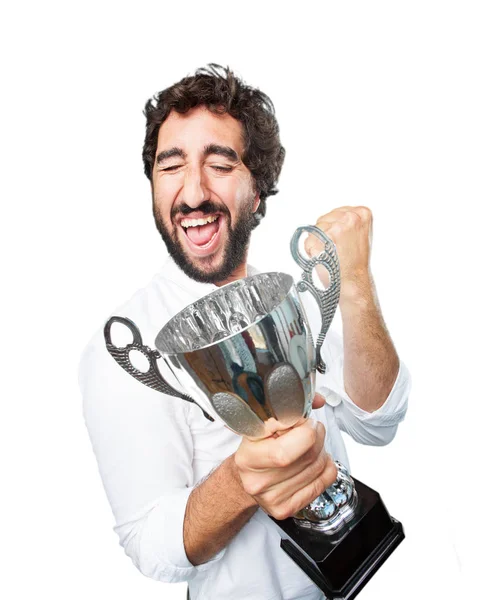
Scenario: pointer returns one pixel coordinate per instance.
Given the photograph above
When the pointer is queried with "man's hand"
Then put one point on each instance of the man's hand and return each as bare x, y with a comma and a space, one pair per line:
350, 228
285, 473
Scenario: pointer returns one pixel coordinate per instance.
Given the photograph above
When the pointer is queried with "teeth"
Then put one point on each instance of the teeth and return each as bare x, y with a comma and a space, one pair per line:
197, 222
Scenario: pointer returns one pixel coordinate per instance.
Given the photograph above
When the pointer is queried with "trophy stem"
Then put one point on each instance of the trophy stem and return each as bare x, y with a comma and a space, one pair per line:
332, 510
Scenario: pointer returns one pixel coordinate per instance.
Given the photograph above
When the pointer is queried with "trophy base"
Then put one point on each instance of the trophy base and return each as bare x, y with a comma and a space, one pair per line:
342, 564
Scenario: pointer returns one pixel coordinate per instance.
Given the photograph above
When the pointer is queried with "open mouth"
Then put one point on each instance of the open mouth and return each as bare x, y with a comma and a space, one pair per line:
201, 232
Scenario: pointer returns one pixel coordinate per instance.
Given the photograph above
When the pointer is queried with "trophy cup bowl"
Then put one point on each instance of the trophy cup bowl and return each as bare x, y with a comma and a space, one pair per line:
245, 354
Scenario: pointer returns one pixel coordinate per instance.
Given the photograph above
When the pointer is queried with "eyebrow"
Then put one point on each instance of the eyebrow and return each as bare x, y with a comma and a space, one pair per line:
225, 151
164, 154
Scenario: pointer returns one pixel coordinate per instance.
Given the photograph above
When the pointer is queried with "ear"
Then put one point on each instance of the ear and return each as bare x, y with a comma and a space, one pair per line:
256, 202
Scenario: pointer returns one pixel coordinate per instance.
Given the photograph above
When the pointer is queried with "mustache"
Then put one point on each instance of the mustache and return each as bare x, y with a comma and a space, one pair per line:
207, 208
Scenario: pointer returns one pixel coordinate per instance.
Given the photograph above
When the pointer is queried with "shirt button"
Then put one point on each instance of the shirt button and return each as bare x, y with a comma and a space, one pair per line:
332, 398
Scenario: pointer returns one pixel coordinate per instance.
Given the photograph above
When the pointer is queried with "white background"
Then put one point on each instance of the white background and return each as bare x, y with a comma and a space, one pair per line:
387, 104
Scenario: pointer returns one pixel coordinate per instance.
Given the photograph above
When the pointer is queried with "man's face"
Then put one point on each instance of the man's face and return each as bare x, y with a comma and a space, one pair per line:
203, 194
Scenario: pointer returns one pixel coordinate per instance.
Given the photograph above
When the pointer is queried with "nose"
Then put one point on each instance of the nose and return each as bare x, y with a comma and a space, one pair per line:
194, 190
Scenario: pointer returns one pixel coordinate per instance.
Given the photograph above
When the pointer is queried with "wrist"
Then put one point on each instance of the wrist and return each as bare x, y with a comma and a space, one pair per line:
358, 292
233, 470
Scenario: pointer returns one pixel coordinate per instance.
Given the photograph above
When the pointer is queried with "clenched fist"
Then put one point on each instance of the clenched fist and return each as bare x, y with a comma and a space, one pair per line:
285, 473
350, 228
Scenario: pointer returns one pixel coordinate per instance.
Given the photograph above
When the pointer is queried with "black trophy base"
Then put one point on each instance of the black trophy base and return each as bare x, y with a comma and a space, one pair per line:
342, 565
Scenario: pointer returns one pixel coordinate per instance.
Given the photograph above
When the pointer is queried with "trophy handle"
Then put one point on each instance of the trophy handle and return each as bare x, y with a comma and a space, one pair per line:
152, 377
327, 299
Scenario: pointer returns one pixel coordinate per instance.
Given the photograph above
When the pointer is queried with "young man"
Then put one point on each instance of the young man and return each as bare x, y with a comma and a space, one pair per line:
190, 498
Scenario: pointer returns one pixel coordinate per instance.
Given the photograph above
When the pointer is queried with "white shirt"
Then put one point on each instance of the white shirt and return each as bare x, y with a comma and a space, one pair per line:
152, 449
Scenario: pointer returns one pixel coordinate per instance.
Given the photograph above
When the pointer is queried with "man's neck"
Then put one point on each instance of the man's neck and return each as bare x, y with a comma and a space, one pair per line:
239, 273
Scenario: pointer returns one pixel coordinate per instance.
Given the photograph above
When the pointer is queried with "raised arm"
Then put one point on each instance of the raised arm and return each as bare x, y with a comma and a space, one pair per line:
371, 363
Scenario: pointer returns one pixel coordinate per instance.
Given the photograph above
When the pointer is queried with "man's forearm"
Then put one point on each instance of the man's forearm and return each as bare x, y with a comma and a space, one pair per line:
216, 510
371, 363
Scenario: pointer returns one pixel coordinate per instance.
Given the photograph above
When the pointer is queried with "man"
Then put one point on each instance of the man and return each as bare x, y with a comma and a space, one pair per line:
190, 498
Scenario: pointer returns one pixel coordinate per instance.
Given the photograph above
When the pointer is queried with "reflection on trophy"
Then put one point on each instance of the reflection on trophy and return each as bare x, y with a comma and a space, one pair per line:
245, 354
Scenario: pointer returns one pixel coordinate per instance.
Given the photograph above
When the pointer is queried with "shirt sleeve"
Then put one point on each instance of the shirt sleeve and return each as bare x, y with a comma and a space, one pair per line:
144, 452
376, 428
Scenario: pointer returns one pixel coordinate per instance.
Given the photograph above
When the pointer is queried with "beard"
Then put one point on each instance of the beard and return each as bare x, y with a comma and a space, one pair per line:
234, 251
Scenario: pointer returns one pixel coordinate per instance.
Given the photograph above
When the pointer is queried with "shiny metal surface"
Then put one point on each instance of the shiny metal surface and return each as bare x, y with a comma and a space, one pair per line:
222, 313
245, 353
260, 354
334, 509
152, 377
327, 298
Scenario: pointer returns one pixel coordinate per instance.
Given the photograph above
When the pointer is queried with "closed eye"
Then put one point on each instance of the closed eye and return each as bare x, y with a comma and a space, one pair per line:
223, 169
171, 168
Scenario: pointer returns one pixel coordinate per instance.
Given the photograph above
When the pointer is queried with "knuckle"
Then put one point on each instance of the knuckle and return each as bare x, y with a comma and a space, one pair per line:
274, 499
364, 212
352, 218
330, 475
314, 454
320, 462
322, 486
281, 512
253, 486
320, 438
312, 433
279, 458
249, 488
271, 498
316, 488
249, 485
321, 429
326, 479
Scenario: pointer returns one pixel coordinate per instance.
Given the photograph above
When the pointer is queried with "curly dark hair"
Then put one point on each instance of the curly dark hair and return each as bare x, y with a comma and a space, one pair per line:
218, 89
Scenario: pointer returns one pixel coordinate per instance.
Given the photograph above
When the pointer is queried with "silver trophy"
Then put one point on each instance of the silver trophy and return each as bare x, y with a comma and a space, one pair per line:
245, 354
